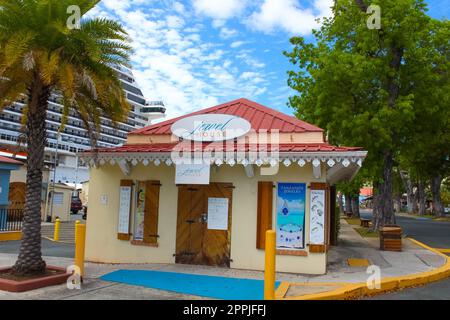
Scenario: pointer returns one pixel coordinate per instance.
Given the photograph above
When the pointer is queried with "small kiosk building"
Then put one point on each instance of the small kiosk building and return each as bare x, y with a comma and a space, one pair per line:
203, 189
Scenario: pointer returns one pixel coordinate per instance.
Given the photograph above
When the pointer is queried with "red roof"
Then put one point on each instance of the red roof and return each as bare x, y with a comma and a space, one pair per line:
9, 160
219, 146
366, 191
259, 116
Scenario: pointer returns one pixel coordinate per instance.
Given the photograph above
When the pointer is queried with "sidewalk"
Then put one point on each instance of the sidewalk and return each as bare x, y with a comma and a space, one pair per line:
414, 259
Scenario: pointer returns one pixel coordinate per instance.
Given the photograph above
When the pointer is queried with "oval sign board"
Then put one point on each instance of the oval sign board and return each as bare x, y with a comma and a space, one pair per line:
211, 127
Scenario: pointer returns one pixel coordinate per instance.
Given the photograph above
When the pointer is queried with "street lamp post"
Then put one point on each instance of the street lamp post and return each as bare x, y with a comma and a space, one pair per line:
54, 176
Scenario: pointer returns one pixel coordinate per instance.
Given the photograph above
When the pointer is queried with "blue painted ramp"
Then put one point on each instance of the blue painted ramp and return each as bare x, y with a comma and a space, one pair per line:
198, 285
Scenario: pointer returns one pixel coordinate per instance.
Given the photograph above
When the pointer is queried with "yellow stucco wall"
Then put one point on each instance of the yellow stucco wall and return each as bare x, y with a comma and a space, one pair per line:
103, 246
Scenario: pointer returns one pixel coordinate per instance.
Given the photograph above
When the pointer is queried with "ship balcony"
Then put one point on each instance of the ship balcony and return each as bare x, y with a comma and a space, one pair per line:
153, 110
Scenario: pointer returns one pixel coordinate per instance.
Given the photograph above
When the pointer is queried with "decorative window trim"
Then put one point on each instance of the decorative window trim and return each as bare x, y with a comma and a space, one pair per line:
144, 244
298, 253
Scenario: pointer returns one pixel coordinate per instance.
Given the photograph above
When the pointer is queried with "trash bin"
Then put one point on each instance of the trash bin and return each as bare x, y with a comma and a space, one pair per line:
391, 238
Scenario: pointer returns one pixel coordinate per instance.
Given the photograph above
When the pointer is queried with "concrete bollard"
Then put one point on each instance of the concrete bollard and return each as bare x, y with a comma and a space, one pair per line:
269, 270
56, 230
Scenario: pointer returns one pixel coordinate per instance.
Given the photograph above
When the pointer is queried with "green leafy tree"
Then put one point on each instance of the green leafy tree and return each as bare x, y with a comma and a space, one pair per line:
354, 81
426, 152
43, 53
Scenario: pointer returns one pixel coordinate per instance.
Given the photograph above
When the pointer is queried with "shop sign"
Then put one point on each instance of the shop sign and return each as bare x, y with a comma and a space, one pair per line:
211, 127
192, 174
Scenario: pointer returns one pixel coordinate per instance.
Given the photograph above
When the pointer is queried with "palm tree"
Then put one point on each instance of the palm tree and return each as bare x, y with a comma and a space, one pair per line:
43, 55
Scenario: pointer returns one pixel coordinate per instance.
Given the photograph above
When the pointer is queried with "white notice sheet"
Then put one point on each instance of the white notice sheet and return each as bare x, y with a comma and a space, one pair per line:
218, 213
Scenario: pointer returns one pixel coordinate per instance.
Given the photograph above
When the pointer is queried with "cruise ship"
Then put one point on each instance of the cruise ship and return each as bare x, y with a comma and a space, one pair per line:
74, 138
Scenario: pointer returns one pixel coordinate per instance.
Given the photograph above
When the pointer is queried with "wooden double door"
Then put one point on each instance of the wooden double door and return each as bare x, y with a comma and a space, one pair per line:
196, 243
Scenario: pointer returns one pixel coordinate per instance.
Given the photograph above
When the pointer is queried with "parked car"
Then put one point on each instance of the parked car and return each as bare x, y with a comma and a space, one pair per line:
75, 205
85, 212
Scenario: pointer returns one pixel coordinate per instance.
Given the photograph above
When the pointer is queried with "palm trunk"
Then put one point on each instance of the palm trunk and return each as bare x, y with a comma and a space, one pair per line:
438, 207
384, 213
421, 197
30, 256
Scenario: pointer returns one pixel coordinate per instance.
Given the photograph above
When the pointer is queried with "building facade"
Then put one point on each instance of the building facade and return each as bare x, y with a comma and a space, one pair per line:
150, 201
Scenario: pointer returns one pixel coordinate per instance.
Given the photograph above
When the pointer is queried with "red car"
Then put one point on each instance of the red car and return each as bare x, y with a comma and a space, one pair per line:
75, 205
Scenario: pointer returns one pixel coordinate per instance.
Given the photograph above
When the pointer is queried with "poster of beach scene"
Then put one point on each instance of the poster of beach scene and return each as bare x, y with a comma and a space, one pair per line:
291, 215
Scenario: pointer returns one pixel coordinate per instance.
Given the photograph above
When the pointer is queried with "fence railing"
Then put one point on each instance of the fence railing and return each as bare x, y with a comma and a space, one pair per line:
11, 219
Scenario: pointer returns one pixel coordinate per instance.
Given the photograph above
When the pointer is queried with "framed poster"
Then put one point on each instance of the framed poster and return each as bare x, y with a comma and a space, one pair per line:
291, 215
317, 217
218, 213
124, 209
140, 211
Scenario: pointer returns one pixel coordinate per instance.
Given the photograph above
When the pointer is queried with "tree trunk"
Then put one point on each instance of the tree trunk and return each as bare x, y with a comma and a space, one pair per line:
398, 202
30, 260
341, 203
355, 207
438, 207
422, 198
375, 201
348, 205
384, 215
411, 200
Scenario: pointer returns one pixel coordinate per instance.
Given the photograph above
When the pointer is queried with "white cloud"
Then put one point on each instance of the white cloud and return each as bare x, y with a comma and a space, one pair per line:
245, 57
174, 22
227, 33
237, 44
174, 61
289, 16
219, 9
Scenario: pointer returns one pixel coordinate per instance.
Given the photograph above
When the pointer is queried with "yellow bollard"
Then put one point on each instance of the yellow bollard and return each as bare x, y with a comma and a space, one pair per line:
269, 271
80, 238
56, 230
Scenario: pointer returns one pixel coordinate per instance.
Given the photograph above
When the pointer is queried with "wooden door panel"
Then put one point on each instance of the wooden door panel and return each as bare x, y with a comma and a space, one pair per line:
16, 197
196, 244
151, 211
216, 243
189, 226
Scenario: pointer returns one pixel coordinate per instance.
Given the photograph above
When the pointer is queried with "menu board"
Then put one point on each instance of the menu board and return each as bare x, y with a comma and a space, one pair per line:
218, 213
317, 217
124, 210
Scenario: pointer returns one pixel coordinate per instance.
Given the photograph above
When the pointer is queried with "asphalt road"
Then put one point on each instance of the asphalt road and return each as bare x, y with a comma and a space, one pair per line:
436, 234
49, 248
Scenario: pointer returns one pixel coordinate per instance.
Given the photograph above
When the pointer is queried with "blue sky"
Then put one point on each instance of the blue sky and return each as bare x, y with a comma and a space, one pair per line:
194, 54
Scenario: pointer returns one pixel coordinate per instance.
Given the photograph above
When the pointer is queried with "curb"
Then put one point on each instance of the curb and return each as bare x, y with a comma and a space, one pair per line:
349, 291
10, 235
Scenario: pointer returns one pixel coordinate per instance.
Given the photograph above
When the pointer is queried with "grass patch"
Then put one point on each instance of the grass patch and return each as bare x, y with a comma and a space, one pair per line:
447, 219
365, 233
353, 221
